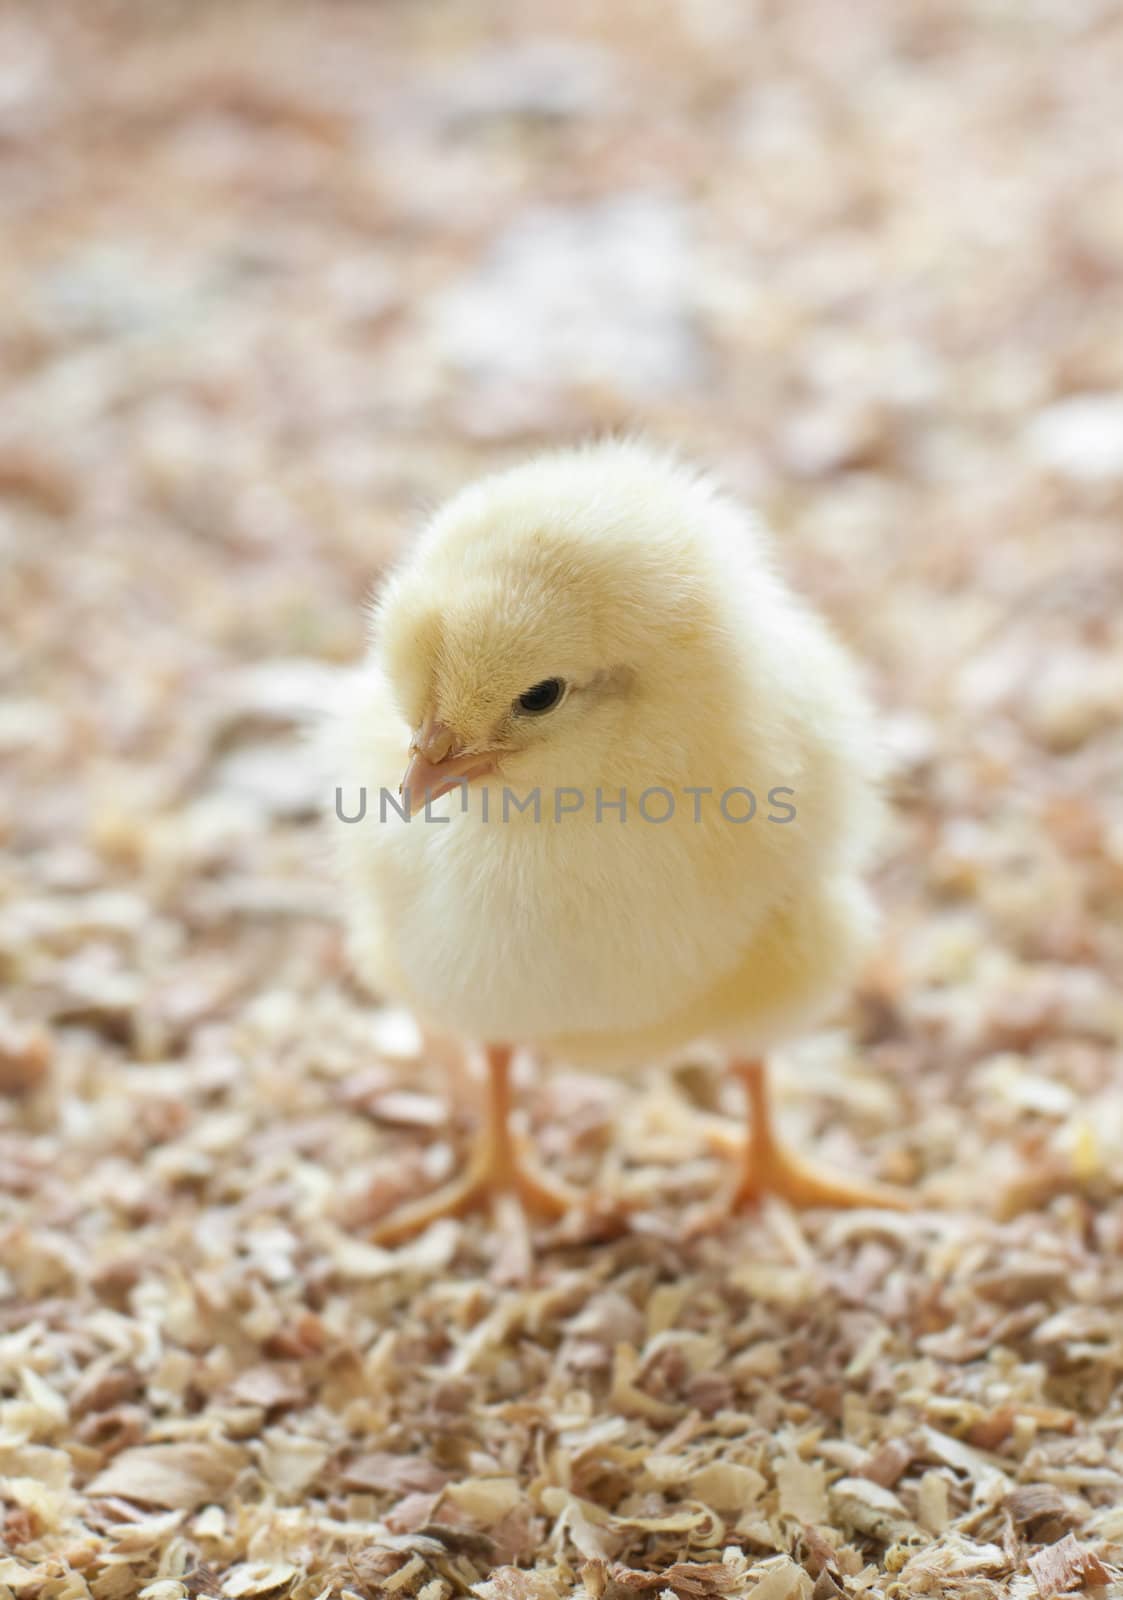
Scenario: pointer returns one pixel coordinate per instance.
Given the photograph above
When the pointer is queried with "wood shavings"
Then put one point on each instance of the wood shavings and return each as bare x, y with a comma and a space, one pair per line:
289, 1462
683, 1578
932, 1502
258, 1578
955, 1560
267, 287
179, 1476
397, 1474
870, 1509
584, 1525
25, 1056
887, 1465
803, 1489
509, 1583
978, 1467
486, 1500
1035, 1500
784, 1581
269, 1386
1065, 1566
727, 1486
628, 1396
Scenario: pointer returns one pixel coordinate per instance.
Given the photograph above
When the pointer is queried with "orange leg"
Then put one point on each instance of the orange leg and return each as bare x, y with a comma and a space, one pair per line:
768, 1168
501, 1165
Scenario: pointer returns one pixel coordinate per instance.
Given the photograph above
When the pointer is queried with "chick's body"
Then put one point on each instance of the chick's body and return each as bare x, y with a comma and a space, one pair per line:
688, 666
593, 932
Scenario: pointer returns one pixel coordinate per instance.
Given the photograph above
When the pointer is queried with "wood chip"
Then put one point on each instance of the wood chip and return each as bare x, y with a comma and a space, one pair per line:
803, 1489
1065, 1566
179, 1476
270, 1386
393, 1473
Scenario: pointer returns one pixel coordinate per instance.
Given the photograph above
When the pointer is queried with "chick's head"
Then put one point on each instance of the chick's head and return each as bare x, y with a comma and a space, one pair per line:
538, 630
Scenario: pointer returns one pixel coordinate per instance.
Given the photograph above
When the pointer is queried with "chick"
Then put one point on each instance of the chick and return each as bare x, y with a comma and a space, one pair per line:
592, 668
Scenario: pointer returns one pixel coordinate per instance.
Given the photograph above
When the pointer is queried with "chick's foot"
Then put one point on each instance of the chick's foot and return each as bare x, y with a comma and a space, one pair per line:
502, 1166
767, 1167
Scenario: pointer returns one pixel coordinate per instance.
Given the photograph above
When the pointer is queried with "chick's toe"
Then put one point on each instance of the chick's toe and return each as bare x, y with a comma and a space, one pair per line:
502, 1165
768, 1167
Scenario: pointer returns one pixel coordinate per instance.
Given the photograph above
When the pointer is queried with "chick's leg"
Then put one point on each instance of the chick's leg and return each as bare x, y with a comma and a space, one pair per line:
767, 1167
502, 1164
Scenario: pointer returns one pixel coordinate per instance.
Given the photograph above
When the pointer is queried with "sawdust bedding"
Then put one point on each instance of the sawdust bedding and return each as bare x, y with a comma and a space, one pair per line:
252, 268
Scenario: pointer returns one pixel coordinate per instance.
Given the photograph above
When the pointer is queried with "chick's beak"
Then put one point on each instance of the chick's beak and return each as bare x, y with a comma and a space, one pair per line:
436, 766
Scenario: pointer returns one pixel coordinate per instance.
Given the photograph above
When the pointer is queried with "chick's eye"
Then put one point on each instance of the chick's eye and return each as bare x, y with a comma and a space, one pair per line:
543, 697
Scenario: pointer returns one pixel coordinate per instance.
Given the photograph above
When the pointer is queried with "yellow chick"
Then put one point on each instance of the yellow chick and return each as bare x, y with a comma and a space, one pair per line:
652, 791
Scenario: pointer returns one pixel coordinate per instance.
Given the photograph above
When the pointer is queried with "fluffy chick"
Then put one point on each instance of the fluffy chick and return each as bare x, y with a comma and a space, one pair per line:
598, 621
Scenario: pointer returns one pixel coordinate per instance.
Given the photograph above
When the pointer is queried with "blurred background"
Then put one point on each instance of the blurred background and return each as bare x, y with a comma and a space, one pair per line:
277, 277
274, 278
